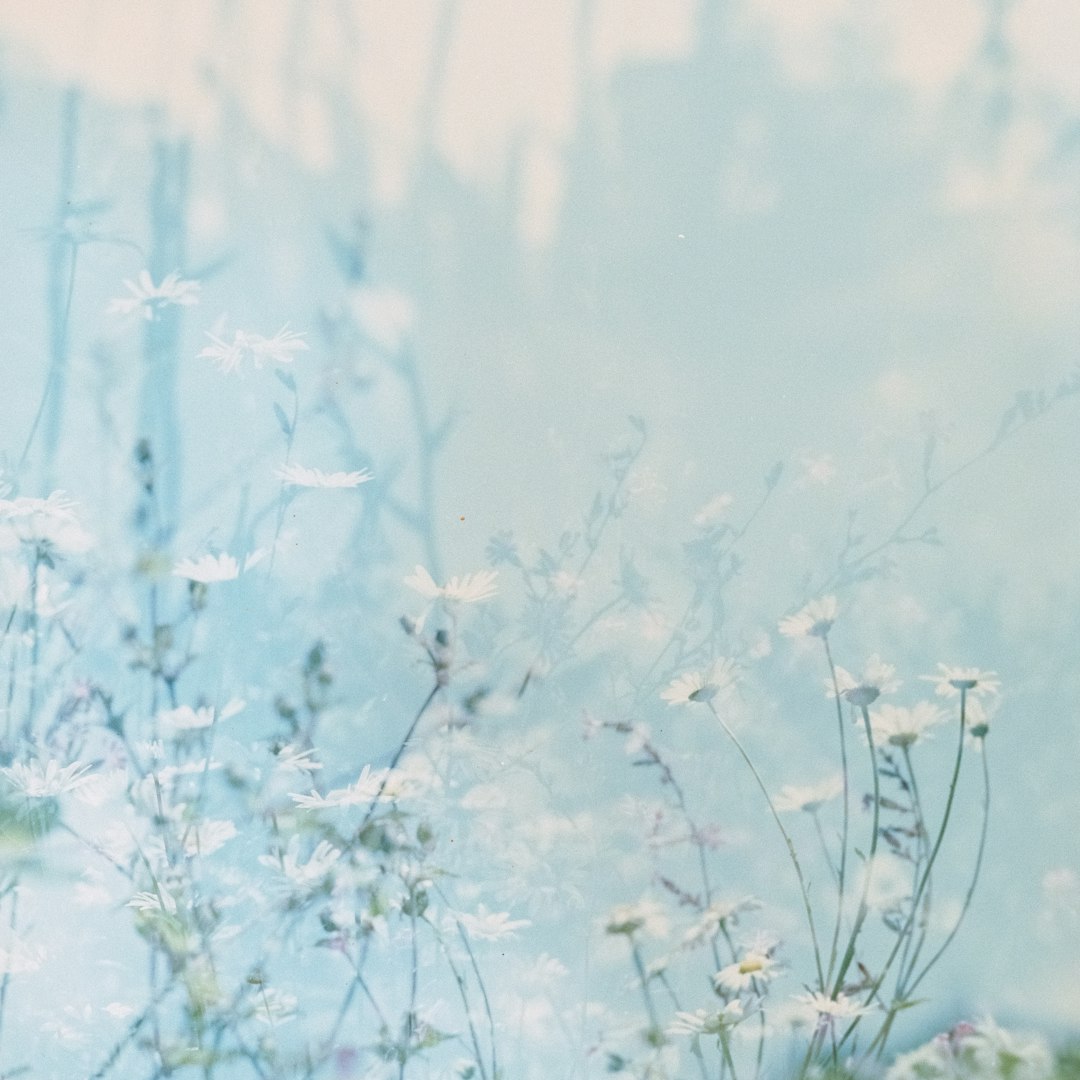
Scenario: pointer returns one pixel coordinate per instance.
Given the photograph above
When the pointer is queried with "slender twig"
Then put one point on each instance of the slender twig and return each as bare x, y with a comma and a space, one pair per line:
787, 840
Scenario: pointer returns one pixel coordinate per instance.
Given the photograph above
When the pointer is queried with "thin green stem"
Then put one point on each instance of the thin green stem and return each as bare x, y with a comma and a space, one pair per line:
841, 874
864, 906
974, 877
923, 883
787, 840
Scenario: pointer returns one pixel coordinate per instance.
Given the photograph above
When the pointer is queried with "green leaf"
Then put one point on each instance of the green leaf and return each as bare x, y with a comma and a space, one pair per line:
283, 420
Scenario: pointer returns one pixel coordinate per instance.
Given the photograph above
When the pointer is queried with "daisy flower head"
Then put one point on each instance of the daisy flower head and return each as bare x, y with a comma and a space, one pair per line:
246, 348
701, 1022
468, 589
876, 679
809, 797
150, 298
45, 782
950, 681
747, 973
210, 569
897, 725
718, 915
184, 719
51, 521
153, 901
298, 476
306, 874
814, 620
830, 1009
488, 925
293, 758
646, 915
701, 686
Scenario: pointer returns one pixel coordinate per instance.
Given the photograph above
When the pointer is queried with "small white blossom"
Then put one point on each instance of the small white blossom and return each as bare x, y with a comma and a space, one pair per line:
646, 915
309, 874
490, 925
701, 1022
185, 718
207, 837
814, 620
877, 679
291, 757
298, 476
701, 686
810, 797
749, 971
233, 356
38, 782
719, 913
897, 725
151, 298
209, 569
371, 785
468, 589
153, 901
52, 521
840, 1007
951, 680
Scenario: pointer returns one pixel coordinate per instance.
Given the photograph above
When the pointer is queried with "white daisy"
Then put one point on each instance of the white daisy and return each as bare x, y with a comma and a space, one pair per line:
829, 1009
646, 915
185, 718
152, 901
51, 521
701, 1022
701, 686
897, 725
37, 782
489, 925
814, 620
877, 679
298, 476
952, 680
208, 836
716, 915
173, 290
468, 589
749, 971
209, 569
809, 797
234, 356
291, 757
307, 874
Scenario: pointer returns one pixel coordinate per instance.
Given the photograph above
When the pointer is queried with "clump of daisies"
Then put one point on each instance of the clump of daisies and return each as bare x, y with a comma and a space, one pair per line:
875, 828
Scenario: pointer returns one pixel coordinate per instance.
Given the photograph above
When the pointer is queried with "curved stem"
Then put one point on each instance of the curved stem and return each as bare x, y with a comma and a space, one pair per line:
908, 958
841, 875
402, 746
974, 877
864, 906
926, 874
787, 840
